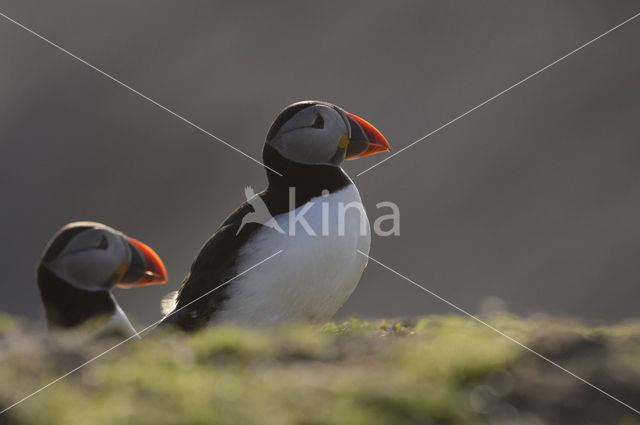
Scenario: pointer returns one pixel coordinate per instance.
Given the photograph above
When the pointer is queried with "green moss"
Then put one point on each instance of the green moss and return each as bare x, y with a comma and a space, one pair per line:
355, 372
8, 323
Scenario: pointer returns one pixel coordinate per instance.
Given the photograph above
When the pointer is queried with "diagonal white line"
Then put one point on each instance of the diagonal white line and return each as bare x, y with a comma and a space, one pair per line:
135, 336
477, 319
501, 93
114, 79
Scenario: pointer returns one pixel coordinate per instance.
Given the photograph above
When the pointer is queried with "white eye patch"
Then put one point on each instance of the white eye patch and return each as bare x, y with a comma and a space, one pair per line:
311, 136
90, 260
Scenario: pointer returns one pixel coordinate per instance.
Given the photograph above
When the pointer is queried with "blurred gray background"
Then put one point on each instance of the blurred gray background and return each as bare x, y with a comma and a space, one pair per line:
533, 199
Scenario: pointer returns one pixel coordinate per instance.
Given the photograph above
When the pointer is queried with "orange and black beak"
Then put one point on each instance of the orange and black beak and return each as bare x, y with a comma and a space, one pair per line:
144, 268
365, 139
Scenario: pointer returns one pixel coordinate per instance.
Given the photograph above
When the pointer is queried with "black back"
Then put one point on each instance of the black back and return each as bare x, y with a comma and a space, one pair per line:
67, 306
216, 262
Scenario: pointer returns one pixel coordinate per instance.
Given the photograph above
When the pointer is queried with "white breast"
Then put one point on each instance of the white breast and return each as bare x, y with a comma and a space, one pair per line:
119, 323
313, 275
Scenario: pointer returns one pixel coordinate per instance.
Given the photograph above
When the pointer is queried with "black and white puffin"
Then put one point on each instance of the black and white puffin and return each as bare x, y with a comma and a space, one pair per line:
319, 266
80, 265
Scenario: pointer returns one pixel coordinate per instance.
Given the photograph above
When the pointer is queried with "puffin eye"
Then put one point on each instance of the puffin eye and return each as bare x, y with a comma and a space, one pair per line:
104, 243
319, 122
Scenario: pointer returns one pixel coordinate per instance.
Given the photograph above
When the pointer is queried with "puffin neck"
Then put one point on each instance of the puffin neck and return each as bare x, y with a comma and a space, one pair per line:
308, 179
66, 305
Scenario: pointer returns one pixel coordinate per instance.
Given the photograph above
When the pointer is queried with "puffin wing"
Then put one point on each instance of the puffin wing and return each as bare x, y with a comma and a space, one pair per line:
214, 265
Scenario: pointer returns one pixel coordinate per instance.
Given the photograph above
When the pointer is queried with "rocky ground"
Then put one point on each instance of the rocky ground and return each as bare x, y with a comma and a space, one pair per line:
433, 370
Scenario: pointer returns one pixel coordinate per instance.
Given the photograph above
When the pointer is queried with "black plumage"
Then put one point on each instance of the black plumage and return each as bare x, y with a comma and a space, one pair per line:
67, 306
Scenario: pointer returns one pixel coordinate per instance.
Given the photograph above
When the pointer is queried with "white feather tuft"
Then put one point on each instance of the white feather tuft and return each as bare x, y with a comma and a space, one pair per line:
168, 303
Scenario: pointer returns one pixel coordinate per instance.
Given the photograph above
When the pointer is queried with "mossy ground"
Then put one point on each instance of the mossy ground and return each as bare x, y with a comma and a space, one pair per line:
447, 370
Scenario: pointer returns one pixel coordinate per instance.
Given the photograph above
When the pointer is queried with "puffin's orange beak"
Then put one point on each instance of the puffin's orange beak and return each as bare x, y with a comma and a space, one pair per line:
146, 267
365, 139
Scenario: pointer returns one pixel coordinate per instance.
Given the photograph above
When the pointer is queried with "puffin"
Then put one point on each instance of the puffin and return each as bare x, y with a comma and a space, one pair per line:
80, 265
315, 223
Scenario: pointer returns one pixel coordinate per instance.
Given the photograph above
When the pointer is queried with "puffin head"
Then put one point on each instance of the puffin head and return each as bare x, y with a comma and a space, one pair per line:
94, 257
320, 133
